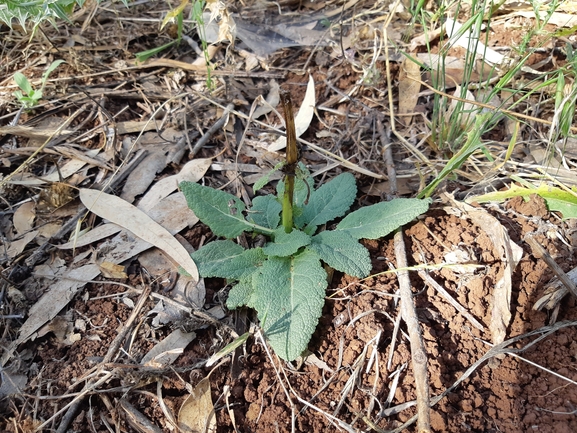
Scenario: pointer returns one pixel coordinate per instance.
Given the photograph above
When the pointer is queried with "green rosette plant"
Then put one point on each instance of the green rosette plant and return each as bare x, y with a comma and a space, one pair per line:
284, 280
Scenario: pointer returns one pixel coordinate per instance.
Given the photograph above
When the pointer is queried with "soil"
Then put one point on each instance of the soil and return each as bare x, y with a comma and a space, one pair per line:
354, 343
358, 374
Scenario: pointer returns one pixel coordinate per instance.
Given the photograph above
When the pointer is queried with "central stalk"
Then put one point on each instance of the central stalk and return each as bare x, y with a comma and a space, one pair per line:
291, 162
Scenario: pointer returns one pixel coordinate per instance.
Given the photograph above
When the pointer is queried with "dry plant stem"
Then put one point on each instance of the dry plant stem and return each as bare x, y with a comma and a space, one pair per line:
388, 153
418, 354
318, 149
291, 162
112, 350
408, 310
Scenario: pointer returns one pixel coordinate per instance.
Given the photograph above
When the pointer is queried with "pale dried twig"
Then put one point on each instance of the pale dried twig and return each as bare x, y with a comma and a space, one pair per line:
408, 309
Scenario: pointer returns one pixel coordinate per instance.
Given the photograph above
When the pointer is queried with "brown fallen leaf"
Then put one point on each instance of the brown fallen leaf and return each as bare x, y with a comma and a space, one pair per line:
197, 412
24, 217
111, 270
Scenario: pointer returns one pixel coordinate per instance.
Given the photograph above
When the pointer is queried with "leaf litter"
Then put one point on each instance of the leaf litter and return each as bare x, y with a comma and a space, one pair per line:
60, 306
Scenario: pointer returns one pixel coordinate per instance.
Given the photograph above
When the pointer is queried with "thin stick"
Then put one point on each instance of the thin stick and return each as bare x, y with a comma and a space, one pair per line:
408, 309
212, 130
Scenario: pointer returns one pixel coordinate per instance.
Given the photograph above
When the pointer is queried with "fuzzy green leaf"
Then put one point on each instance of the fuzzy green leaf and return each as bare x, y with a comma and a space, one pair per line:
259, 184
342, 252
240, 294
219, 210
265, 211
330, 201
289, 297
378, 220
225, 259
286, 244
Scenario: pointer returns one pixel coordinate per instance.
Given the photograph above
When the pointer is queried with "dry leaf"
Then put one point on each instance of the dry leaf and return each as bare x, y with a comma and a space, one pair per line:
557, 19
13, 383
66, 171
24, 217
50, 304
303, 118
197, 412
468, 41
409, 88
16, 247
143, 175
272, 99
467, 111
449, 70
131, 218
166, 352
172, 213
111, 270
35, 132
192, 171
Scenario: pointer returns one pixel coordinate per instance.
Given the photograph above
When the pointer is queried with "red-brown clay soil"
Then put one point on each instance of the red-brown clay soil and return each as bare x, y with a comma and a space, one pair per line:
505, 394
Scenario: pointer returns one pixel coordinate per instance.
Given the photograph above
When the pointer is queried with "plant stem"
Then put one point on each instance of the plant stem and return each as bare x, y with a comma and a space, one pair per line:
287, 203
291, 161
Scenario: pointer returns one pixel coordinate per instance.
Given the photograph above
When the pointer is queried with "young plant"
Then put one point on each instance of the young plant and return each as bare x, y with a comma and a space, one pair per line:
176, 14
38, 11
284, 281
27, 96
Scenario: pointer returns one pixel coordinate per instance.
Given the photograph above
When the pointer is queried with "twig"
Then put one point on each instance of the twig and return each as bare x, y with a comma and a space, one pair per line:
408, 309
212, 130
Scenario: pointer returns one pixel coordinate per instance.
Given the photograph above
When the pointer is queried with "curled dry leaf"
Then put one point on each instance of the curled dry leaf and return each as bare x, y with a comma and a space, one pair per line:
133, 219
511, 254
